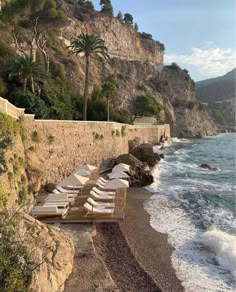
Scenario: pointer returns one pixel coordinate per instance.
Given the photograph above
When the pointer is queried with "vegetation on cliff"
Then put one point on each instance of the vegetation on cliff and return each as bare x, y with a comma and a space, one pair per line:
40, 78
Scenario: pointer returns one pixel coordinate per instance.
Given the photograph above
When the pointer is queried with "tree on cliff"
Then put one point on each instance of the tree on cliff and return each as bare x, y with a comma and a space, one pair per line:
109, 92
120, 16
146, 105
106, 7
90, 45
128, 18
27, 70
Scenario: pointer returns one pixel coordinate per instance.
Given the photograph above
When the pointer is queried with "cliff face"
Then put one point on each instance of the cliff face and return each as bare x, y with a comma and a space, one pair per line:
121, 39
20, 175
184, 112
137, 66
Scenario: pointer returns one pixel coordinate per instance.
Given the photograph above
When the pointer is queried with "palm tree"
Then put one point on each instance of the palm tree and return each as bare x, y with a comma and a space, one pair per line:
90, 45
109, 92
27, 70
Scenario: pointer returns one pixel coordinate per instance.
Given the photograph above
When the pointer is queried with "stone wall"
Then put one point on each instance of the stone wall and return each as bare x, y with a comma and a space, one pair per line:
65, 145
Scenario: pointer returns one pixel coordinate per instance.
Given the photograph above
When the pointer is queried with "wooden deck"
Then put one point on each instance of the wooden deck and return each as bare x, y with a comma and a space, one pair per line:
77, 213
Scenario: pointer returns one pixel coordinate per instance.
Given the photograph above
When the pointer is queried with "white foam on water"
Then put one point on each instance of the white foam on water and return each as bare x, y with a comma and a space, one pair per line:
175, 139
224, 247
195, 265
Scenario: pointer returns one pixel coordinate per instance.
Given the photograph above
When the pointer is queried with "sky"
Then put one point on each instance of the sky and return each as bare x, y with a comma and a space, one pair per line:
199, 35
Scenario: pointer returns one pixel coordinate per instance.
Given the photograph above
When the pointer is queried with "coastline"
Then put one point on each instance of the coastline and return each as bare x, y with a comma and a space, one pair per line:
134, 253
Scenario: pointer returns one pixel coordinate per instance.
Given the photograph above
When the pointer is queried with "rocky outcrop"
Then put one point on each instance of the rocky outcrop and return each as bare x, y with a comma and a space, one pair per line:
121, 39
210, 167
140, 175
33, 170
144, 152
52, 251
183, 111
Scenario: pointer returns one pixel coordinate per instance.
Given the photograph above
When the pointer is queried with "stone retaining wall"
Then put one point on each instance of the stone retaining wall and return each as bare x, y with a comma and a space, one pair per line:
65, 145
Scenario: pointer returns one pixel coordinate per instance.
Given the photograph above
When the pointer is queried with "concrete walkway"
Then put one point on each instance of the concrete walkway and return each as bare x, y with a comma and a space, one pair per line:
89, 272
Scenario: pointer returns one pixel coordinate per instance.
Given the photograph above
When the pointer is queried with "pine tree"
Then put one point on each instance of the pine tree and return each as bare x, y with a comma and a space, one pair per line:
106, 7
120, 16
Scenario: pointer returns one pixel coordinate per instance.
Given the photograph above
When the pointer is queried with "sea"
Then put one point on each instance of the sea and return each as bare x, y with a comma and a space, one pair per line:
196, 208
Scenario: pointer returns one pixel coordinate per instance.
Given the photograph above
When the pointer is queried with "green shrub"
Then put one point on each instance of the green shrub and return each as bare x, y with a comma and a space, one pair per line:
31, 148
10, 175
22, 195
117, 133
51, 139
16, 169
16, 264
113, 132
123, 131
3, 197
36, 137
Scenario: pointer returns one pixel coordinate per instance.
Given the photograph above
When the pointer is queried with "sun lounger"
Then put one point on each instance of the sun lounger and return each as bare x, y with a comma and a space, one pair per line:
102, 179
102, 192
100, 185
61, 197
49, 210
100, 204
95, 210
102, 197
60, 189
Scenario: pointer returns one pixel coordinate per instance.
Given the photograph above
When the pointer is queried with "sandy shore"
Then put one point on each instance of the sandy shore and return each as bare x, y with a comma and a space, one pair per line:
144, 263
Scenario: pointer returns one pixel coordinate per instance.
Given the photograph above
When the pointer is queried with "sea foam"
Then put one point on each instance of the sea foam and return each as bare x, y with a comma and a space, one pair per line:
224, 247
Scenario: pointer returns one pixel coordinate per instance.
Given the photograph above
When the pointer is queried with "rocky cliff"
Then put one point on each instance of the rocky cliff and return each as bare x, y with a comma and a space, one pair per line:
48, 252
137, 67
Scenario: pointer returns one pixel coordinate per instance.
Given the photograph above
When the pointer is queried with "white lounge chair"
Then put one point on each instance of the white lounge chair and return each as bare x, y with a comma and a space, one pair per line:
61, 197
102, 197
103, 179
118, 174
100, 185
95, 210
102, 192
100, 204
60, 189
49, 210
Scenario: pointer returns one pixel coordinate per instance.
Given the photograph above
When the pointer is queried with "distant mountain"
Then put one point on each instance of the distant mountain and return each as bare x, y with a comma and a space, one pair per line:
217, 89
219, 94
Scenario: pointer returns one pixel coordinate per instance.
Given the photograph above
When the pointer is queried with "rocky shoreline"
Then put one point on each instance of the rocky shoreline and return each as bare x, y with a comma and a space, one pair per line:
137, 257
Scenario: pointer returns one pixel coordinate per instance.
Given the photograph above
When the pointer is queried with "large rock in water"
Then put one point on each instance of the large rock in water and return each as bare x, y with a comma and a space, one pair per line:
144, 152
140, 175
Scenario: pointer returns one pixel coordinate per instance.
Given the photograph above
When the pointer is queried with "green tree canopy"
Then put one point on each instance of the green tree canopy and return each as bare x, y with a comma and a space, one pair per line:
128, 18
26, 70
146, 105
106, 7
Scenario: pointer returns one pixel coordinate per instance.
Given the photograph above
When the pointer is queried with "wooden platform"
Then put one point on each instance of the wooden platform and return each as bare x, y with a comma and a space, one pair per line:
77, 213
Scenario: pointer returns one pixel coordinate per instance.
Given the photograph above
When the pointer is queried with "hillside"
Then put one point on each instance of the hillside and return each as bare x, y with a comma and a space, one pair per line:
219, 95
217, 89
135, 69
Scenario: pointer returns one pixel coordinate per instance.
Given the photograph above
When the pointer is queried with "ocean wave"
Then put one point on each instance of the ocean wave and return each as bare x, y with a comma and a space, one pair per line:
194, 265
223, 246
175, 139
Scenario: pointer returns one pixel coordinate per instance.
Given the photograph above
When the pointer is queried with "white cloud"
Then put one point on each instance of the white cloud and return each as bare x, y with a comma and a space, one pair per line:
210, 62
